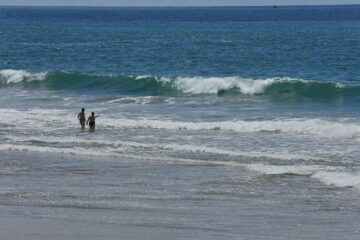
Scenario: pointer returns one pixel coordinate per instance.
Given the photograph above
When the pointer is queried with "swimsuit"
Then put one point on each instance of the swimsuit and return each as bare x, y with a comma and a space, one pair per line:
92, 126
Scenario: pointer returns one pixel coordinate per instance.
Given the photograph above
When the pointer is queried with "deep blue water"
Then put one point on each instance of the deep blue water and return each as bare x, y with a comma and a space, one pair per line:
249, 112
285, 41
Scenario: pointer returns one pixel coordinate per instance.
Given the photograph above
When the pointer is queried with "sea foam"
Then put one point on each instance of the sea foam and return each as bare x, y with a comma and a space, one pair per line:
332, 176
304, 170
14, 76
339, 129
310, 126
214, 85
116, 147
339, 179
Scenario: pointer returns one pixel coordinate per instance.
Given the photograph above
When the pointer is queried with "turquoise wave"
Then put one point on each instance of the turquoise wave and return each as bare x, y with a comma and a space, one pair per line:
272, 88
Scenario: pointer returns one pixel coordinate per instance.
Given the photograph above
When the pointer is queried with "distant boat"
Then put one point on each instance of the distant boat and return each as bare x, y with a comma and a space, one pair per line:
275, 6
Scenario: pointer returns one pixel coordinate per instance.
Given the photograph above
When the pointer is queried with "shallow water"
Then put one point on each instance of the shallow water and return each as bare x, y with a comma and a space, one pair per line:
147, 199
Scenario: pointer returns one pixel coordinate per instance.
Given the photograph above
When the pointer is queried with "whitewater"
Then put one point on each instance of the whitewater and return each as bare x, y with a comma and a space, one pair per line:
274, 88
183, 122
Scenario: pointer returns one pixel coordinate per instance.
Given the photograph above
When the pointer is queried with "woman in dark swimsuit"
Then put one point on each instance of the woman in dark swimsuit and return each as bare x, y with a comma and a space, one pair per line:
91, 121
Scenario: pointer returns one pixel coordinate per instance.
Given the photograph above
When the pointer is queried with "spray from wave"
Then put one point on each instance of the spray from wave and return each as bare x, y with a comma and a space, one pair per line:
273, 88
10, 76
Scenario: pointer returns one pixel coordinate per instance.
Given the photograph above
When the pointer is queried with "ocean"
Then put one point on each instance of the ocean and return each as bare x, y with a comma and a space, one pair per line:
215, 123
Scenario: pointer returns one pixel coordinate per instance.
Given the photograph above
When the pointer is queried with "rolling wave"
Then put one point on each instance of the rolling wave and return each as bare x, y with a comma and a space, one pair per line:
273, 88
331, 176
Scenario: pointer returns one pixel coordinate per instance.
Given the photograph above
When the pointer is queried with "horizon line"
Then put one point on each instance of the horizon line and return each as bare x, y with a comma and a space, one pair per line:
180, 6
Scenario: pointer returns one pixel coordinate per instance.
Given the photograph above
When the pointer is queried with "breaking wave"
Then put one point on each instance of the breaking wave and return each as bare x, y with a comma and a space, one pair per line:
273, 88
331, 176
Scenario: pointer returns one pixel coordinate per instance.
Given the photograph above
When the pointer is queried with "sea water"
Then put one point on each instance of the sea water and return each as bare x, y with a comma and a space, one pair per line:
215, 123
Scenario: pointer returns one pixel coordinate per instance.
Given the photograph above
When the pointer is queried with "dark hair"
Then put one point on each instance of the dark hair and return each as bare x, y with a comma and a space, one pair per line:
92, 113
83, 109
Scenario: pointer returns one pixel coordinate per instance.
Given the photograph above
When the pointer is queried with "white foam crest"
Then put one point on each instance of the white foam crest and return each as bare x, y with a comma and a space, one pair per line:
140, 100
140, 77
14, 76
35, 118
305, 170
237, 153
332, 176
339, 179
106, 153
319, 127
128, 146
212, 85
68, 151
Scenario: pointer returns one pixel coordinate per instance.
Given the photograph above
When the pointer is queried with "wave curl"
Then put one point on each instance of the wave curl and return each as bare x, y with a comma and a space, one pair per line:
273, 88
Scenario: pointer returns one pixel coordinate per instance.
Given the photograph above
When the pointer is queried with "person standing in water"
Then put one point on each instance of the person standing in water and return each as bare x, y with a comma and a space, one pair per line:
91, 121
82, 118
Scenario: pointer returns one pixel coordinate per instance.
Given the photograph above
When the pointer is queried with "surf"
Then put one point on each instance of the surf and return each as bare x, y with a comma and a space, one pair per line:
275, 88
340, 128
